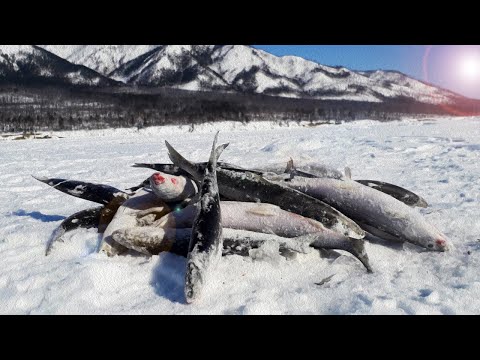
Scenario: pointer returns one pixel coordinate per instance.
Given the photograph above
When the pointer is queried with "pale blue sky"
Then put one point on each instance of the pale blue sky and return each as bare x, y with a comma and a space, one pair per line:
445, 64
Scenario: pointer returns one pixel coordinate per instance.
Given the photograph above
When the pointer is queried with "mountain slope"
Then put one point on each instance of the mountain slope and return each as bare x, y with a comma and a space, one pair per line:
182, 66
230, 68
101, 58
243, 68
29, 64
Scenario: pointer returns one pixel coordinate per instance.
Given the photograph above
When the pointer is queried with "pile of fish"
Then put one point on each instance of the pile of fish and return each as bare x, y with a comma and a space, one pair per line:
205, 210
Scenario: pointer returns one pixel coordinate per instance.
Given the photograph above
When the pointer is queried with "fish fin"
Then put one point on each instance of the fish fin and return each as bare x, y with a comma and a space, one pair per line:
262, 210
290, 167
183, 163
348, 173
406, 196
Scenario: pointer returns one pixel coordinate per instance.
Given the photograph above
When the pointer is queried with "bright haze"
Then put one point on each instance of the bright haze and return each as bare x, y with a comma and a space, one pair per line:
453, 67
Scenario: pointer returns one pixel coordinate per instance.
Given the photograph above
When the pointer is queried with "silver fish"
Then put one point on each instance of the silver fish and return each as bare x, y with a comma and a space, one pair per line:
241, 185
375, 209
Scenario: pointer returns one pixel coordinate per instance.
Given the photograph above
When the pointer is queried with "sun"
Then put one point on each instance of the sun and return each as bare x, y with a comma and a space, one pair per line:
470, 67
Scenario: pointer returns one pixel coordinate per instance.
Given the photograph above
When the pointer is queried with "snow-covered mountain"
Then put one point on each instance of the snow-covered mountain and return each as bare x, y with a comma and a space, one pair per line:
31, 64
232, 68
101, 58
244, 68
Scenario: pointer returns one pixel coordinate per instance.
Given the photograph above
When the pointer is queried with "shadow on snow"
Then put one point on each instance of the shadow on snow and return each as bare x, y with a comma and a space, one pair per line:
168, 277
39, 216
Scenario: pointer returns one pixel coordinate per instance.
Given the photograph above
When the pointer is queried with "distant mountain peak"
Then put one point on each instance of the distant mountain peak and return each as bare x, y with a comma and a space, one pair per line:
239, 68
101, 58
29, 64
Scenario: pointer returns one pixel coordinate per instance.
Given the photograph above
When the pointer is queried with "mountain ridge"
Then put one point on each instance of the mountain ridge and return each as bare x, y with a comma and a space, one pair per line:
224, 68
29, 64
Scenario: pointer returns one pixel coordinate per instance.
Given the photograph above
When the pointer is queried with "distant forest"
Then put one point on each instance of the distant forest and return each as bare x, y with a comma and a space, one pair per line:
47, 108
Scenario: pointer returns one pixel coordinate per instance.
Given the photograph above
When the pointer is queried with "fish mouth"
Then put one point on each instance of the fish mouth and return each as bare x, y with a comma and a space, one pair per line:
158, 179
442, 244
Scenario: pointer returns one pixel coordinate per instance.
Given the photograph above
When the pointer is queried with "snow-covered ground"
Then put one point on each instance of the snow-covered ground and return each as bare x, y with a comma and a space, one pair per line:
438, 159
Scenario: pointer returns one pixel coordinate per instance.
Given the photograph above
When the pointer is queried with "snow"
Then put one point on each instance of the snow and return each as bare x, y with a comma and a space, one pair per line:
102, 58
289, 76
438, 159
15, 49
297, 75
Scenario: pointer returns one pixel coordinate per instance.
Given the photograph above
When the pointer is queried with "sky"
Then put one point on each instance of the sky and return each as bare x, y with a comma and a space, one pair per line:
453, 67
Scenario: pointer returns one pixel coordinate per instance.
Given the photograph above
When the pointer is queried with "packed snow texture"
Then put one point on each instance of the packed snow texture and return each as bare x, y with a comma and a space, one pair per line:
436, 159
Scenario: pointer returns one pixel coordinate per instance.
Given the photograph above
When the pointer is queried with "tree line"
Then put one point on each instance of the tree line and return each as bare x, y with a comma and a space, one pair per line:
50, 108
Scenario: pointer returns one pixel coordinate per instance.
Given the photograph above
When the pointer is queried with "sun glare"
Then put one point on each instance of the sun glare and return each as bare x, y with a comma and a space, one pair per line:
470, 67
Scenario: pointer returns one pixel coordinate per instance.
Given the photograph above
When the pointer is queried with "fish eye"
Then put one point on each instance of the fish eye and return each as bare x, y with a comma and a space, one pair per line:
430, 246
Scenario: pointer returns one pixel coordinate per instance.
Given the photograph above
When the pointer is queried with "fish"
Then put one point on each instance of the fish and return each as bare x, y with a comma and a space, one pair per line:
97, 217
99, 193
312, 171
406, 196
375, 209
151, 240
88, 218
172, 169
206, 242
247, 186
171, 188
132, 212
321, 171
270, 219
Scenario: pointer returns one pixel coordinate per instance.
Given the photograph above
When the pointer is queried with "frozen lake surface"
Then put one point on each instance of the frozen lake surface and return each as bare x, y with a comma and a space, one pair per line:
437, 159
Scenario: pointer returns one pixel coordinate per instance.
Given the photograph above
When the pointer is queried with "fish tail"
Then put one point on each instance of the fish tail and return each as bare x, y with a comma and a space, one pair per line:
357, 249
183, 163
56, 236
216, 151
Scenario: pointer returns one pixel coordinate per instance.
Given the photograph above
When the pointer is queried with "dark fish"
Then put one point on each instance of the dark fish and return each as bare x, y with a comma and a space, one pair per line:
98, 217
177, 171
88, 218
407, 197
102, 194
206, 243
250, 187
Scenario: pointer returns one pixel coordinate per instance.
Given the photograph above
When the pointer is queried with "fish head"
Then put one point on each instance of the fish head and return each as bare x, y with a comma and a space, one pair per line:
157, 179
170, 187
438, 243
161, 185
